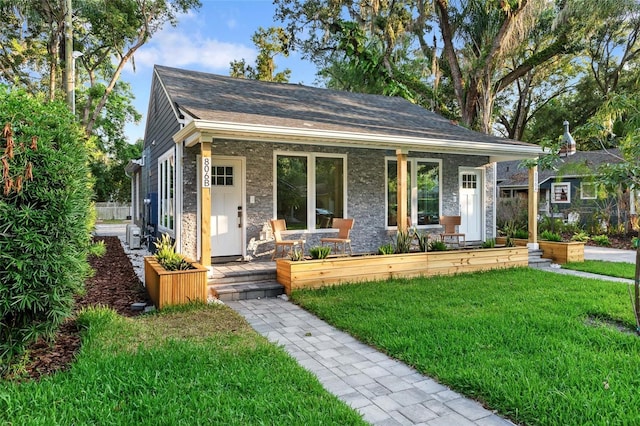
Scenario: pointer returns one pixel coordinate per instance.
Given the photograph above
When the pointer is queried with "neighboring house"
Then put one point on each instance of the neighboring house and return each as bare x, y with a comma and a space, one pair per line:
222, 156
570, 191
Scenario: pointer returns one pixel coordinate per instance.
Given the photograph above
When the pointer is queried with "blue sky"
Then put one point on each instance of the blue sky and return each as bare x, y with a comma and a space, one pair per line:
207, 40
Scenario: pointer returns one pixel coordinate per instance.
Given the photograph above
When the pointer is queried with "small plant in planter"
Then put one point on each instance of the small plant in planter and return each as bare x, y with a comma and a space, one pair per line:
437, 245
172, 279
386, 249
423, 241
320, 252
550, 236
521, 234
403, 241
490, 243
296, 255
167, 256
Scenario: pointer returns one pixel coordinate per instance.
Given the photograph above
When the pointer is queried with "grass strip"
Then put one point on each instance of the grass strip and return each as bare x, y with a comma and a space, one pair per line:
603, 267
201, 365
534, 345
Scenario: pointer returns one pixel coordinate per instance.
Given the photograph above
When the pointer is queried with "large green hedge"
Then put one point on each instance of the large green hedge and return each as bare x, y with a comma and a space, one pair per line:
45, 203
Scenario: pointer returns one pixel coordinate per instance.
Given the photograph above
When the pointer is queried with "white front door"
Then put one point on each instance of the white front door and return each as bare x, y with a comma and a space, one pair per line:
471, 203
227, 180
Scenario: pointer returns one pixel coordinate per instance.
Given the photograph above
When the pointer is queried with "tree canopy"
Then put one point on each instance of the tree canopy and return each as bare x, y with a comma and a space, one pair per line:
107, 34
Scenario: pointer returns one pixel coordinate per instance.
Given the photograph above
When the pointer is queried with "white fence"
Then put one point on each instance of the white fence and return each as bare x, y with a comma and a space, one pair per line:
113, 211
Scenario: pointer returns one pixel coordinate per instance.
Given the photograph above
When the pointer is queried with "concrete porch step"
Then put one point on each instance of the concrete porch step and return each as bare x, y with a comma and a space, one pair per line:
536, 260
244, 280
236, 277
246, 290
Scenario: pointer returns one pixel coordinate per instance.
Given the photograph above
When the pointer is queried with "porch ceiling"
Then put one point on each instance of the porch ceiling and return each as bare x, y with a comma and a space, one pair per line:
197, 131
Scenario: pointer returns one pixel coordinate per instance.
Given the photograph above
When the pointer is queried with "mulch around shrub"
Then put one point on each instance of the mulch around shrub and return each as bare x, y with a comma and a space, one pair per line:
113, 284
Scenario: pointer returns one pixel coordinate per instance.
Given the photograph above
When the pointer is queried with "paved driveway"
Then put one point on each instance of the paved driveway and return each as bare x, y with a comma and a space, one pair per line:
609, 254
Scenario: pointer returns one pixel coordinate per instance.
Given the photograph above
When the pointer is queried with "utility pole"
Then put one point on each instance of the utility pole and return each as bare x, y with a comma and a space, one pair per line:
68, 54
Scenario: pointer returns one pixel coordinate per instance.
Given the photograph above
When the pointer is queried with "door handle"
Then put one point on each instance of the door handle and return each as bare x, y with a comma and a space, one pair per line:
239, 216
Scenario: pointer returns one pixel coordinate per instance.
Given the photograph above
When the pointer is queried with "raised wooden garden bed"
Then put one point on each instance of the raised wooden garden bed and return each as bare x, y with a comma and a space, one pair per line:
174, 287
559, 251
317, 273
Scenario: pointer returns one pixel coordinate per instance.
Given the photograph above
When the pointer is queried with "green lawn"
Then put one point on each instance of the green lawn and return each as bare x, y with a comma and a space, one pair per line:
186, 367
523, 341
612, 269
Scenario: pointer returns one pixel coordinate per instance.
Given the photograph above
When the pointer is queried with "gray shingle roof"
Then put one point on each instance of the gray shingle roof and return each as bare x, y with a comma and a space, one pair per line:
219, 98
512, 174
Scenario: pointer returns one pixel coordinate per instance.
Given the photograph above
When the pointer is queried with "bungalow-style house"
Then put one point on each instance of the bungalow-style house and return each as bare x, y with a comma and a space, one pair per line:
223, 156
570, 190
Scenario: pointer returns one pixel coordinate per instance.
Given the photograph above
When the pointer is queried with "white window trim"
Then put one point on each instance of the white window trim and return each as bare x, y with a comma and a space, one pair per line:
595, 190
163, 158
553, 192
414, 190
311, 184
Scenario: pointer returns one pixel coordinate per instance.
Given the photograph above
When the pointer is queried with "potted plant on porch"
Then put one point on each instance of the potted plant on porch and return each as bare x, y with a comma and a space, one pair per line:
172, 279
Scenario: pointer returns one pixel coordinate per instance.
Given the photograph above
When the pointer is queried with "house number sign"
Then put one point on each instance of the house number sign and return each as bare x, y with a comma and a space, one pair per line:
206, 172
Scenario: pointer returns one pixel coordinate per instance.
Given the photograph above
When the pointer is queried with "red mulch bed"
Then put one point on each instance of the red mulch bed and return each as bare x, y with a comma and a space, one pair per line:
114, 284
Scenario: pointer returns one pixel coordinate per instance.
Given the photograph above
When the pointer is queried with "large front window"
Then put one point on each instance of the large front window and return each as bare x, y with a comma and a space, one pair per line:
423, 191
166, 181
310, 189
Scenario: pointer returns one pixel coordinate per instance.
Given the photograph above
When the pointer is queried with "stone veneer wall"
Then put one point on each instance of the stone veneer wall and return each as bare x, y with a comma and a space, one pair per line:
365, 186
189, 230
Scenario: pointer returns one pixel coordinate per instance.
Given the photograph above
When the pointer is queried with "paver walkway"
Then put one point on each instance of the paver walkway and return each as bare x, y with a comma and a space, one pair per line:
383, 390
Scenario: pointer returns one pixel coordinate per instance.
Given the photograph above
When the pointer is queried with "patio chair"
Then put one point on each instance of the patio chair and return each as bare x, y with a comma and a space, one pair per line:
344, 228
277, 226
450, 223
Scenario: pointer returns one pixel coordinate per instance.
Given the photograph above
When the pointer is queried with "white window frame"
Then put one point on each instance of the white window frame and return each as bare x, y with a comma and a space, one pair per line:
567, 186
311, 184
166, 204
413, 213
594, 191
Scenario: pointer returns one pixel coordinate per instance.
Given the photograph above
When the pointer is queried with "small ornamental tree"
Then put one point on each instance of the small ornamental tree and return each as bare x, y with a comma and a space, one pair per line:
45, 220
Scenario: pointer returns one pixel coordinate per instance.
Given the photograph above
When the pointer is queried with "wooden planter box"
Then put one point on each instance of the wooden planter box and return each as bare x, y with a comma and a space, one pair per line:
174, 287
559, 251
562, 252
317, 273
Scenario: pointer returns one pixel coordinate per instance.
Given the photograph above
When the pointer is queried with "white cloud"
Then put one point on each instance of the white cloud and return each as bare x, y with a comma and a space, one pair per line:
176, 49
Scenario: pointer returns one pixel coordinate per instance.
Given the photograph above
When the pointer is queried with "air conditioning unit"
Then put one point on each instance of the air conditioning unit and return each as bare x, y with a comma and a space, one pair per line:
134, 237
127, 233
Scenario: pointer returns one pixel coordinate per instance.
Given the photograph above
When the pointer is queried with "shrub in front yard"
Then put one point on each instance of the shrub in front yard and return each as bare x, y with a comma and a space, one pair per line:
44, 219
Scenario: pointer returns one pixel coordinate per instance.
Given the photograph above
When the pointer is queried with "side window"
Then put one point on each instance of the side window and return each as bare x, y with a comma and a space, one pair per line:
166, 182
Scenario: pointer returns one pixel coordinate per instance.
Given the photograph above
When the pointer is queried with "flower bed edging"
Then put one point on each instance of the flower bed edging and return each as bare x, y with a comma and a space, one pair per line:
322, 272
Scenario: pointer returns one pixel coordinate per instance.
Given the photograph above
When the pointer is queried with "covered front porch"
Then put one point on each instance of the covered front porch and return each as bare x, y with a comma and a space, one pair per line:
205, 141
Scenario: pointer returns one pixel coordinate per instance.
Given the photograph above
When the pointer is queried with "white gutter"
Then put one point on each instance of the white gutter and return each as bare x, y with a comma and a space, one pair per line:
218, 129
